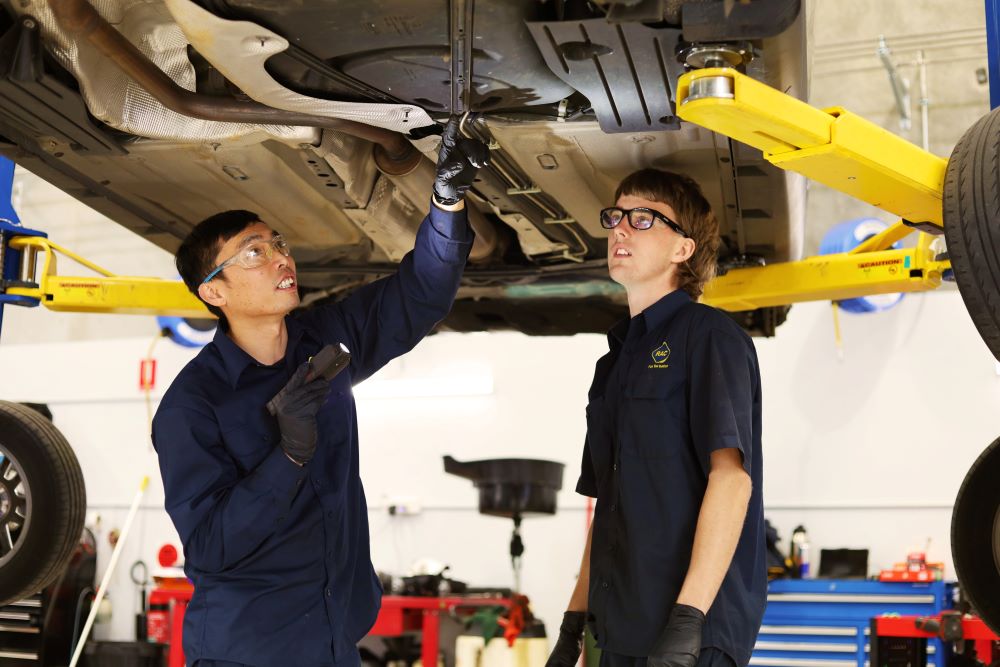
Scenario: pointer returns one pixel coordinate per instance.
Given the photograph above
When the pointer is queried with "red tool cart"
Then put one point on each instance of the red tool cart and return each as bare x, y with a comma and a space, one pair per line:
399, 614
403, 613
897, 640
165, 619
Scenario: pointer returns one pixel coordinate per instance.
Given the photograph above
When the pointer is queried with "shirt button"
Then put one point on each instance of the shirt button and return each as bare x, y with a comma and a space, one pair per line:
614, 467
328, 592
605, 584
329, 515
614, 508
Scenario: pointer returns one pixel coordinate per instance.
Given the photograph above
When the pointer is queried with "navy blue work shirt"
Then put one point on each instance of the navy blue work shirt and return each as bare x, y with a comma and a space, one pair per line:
681, 381
279, 554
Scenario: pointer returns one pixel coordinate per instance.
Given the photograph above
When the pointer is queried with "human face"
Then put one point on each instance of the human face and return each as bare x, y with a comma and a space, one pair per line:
268, 289
646, 259
252, 254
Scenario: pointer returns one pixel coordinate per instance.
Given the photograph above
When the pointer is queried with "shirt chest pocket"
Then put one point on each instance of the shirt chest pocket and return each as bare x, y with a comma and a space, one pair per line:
251, 438
654, 415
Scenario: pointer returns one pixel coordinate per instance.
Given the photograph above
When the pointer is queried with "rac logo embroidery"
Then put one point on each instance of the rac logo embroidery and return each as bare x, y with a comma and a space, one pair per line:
660, 356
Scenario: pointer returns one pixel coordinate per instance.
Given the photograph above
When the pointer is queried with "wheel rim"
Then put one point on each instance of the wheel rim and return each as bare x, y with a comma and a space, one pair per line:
996, 539
15, 506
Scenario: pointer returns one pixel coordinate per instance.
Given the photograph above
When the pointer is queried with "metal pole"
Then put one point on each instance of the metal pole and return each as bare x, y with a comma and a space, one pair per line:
900, 88
924, 102
102, 589
3, 289
993, 50
7, 212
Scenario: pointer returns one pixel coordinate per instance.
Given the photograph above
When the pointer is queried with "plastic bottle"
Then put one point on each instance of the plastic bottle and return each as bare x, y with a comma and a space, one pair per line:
804, 570
799, 554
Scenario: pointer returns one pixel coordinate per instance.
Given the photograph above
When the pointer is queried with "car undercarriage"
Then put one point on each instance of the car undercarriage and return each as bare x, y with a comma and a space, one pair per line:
323, 119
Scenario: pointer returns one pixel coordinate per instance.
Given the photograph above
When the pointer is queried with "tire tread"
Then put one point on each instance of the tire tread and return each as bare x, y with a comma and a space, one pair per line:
68, 490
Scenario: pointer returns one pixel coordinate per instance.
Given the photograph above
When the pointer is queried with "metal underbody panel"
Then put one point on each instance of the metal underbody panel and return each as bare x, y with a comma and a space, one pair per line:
590, 164
616, 63
240, 51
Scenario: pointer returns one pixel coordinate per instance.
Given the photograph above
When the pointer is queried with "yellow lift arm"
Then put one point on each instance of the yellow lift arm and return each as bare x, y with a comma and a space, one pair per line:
832, 146
840, 150
105, 293
868, 269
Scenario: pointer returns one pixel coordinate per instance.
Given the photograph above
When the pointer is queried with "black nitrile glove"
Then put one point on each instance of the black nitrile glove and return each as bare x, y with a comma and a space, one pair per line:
570, 643
680, 642
458, 161
295, 408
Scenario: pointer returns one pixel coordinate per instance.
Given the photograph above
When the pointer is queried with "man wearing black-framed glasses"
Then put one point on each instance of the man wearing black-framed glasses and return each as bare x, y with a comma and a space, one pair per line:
258, 450
674, 569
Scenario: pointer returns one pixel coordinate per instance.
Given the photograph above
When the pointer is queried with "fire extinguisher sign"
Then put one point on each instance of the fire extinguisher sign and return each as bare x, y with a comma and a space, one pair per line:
147, 374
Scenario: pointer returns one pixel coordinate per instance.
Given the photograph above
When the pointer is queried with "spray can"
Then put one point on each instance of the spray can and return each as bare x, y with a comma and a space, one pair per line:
158, 622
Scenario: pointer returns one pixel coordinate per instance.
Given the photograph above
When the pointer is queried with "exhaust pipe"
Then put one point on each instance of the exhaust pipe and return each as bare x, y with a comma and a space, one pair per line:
393, 153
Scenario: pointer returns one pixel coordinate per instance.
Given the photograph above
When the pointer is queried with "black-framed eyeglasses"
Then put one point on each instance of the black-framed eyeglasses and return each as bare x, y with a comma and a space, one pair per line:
638, 218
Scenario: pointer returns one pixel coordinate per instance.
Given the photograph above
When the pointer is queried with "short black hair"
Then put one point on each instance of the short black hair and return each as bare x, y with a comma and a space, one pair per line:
195, 258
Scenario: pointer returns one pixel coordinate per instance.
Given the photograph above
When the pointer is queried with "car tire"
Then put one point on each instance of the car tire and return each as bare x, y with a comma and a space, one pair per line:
972, 224
42, 502
975, 536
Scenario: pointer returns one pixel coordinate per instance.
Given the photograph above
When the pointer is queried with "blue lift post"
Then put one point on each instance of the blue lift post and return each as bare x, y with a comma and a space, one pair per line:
993, 50
10, 226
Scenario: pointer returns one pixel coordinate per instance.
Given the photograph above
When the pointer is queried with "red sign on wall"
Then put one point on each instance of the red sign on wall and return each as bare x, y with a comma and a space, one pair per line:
147, 374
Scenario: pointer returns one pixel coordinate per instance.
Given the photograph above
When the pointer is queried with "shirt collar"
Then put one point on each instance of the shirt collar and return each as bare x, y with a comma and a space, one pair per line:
235, 359
663, 310
652, 318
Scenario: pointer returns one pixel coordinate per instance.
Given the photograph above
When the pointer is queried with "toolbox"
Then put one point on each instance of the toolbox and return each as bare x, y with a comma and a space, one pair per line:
826, 622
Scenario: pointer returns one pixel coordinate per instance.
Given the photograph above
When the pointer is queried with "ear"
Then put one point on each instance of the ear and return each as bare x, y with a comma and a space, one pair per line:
211, 295
684, 250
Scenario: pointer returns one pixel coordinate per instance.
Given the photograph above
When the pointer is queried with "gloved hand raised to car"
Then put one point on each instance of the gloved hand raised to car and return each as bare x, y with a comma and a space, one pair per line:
459, 158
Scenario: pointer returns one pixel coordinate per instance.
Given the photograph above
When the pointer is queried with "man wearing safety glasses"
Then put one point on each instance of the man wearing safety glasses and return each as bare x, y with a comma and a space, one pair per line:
673, 571
259, 451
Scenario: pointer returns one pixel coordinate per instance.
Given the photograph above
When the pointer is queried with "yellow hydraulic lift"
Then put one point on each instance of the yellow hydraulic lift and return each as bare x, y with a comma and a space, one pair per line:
832, 146
867, 270
840, 150
104, 293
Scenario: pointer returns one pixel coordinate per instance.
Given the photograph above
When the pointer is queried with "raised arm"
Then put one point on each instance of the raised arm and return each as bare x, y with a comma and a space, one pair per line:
389, 317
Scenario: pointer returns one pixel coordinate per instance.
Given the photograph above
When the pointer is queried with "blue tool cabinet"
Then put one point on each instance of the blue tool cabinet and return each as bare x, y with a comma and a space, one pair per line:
826, 622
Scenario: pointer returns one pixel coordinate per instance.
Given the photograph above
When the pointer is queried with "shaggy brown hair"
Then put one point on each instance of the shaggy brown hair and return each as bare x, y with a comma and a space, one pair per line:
694, 215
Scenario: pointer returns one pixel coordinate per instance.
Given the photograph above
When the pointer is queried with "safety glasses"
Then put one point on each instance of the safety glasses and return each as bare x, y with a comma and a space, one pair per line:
254, 254
638, 218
